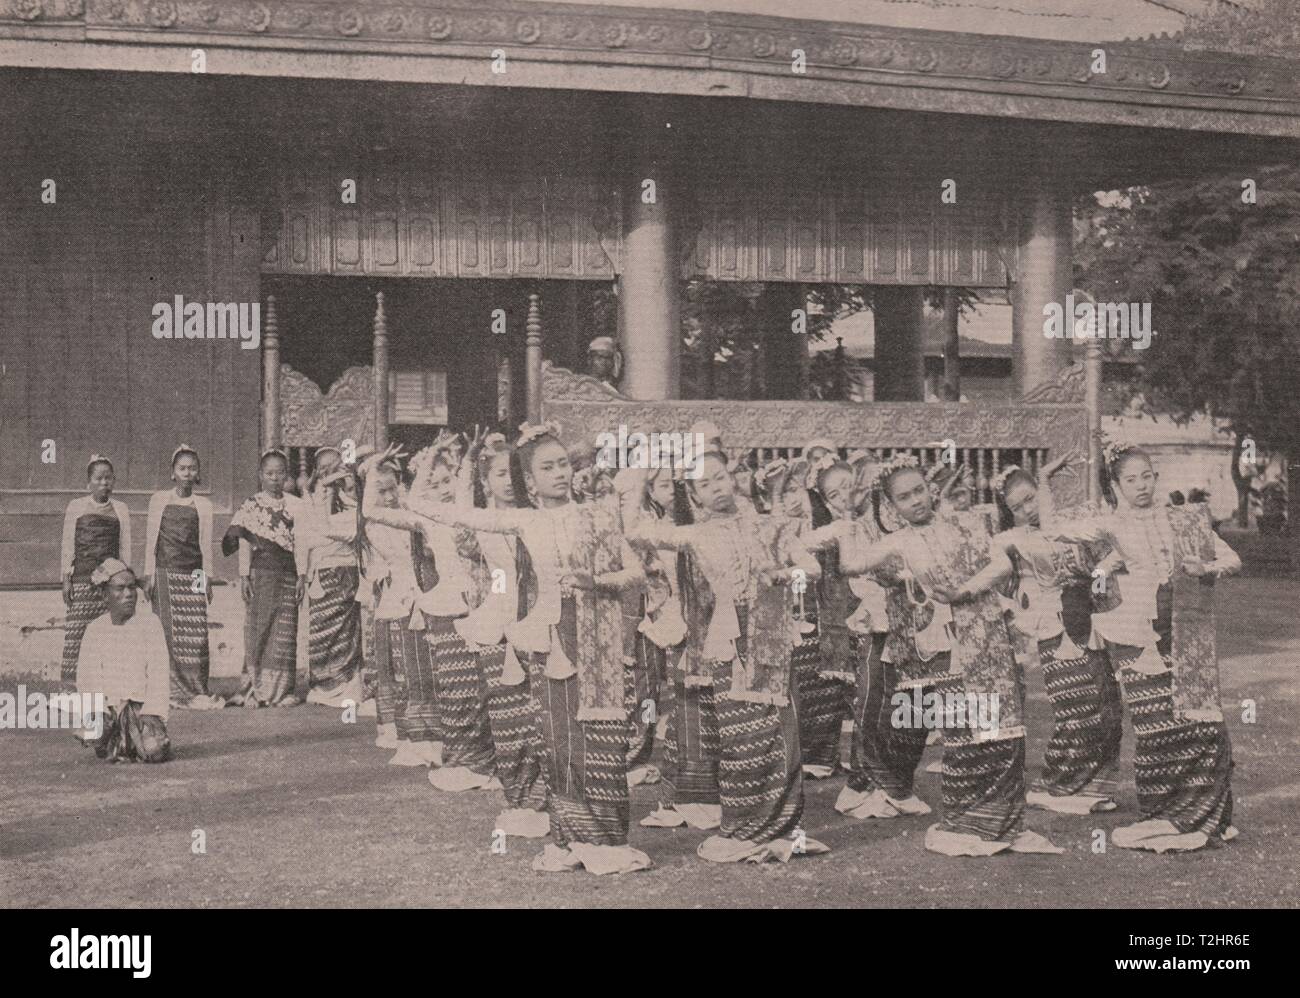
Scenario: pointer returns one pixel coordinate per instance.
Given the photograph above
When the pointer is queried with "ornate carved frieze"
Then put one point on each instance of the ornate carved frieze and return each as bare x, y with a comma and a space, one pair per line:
311, 419
436, 223
1067, 387
561, 383
1050, 428
709, 40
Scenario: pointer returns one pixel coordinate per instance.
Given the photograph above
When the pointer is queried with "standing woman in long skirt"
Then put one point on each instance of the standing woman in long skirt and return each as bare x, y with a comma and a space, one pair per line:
883, 757
941, 557
178, 578
572, 642
664, 638
511, 710
1081, 761
746, 560
96, 527
1160, 640
333, 577
455, 687
272, 574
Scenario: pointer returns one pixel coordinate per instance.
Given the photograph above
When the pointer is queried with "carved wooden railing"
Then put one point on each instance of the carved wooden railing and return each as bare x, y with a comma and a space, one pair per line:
988, 436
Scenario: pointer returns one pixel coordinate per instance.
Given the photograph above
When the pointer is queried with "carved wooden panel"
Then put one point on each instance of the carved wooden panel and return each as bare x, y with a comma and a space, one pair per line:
409, 222
883, 230
310, 418
1054, 423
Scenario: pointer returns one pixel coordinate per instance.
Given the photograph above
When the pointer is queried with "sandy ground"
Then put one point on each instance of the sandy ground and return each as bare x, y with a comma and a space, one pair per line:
299, 809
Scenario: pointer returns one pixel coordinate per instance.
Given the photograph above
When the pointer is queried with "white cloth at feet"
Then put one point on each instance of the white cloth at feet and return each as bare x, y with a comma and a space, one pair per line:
720, 849
595, 859
701, 816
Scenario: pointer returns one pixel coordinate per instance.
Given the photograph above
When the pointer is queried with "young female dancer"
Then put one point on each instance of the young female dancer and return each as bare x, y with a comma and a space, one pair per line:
883, 757
456, 690
333, 577
572, 642
402, 656
511, 709
1081, 761
1160, 640
95, 527
672, 632
178, 578
744, 562
940, 556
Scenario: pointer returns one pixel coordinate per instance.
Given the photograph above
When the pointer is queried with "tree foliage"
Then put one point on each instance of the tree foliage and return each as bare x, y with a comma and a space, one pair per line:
1223, 277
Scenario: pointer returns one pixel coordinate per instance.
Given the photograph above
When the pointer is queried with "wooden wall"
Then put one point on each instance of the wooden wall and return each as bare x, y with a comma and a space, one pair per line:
78, 282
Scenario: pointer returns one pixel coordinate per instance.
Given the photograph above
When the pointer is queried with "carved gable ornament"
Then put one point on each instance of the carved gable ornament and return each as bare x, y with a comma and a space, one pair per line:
311, 419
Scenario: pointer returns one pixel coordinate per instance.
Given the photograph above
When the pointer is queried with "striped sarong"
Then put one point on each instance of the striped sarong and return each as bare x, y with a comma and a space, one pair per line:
983, 784
334, 645
369, 668
584, 764
87, 604
516, 742
270, 639
760, 782
412, 658
1082, 755
184, 616
884, 756
691, 747
1183, 769
390, 679
641, 681
822, 705
460, 694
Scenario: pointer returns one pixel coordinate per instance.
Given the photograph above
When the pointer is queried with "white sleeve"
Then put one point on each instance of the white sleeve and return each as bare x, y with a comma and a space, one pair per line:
1226, 561
69, 550
245, 557
124, 535
157, 503
203, 507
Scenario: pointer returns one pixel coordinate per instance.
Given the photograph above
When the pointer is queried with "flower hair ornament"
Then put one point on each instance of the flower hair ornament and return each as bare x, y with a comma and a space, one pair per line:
896, 463
528, 432
108, 568
1113, 450
97, 459
186, 449
1000, 479
777, 466
827, 460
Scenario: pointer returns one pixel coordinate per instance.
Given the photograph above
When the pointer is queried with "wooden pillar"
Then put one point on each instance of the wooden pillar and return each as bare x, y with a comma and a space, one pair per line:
1092, 398
380, 364
650, 284
1044, 275
505, 387
900, 350
951, 347
270, 377
533, 357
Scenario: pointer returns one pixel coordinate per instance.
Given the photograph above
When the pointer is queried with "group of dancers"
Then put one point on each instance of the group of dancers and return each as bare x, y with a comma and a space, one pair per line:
537, 621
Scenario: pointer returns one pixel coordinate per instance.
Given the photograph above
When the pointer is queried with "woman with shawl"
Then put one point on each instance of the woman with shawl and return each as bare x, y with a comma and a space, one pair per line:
742, 564
1161, 643
272, 576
